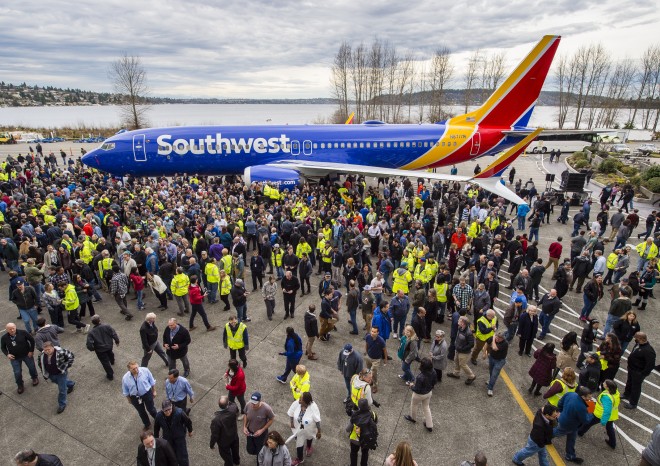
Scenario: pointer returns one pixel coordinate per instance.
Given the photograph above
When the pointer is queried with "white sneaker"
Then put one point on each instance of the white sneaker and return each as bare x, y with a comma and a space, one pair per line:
394, 336
490, 393
86, 329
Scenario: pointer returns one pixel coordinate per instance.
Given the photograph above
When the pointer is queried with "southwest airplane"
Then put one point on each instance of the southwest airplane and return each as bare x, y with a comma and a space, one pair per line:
284, 155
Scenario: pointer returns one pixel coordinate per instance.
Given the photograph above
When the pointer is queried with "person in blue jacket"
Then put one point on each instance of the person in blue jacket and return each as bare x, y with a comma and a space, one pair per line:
573, 407
523, 210
382, 320
293, 351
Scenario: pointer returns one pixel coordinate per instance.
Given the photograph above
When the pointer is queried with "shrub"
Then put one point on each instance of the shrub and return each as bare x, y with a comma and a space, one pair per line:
636, 181
609, 166
581, 164
628, 170
653, 172
653, 184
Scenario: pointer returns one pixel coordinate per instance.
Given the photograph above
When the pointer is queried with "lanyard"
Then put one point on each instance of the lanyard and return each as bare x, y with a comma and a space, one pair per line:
135, 379
173, 386
151, 455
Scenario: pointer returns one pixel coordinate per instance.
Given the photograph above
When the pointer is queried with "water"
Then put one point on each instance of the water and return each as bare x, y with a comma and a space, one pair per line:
89, 117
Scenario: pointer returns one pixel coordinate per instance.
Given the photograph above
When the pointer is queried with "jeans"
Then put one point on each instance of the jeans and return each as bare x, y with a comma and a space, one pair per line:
347, 383
620, 242
199, 309
641, 264
521, 222
576, 229
399, 325
241, 312
39, 290
353, 314
213, 292
511, 331
545, 321
609, 323
532, 233
588, 307
530, 450
609, 428
407, 373
29, 315
17, 367
63, 385
140, 296
494, 368
291, 364
571, 437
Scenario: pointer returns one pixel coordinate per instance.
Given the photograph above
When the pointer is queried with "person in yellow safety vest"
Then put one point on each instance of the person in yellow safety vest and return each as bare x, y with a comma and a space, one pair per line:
401, 279
300, 382
67, 244
276, 260
361, 418
431, 269
492, 222
472, 192
226, 261
86, 253
212, 279
105, 265
327, 233
361, 387
71, 305
606, 412
179, 288
612, 261
560, 387
441, 289
421, 272
235, 337
225, 288
484, 331
303, 247
647, 251
475, 229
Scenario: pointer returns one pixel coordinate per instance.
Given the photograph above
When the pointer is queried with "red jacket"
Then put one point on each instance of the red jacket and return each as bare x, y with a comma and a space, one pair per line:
555, 250
236, 385
138, 282
195, 294
459, 240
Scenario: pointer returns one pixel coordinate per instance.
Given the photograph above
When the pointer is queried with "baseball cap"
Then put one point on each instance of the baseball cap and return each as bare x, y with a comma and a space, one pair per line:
367, 287
423, 259
20, 282
276, 245
255, 398
519, 300
592, 355
348, 348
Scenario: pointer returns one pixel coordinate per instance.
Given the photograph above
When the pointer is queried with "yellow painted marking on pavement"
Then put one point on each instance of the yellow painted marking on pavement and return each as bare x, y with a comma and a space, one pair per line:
556, 458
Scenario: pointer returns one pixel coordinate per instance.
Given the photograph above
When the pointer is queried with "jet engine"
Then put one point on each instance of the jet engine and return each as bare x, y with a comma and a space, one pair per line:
283, 178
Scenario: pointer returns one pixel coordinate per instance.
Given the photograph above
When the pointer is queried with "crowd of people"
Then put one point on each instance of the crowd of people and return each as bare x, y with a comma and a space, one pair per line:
421, 262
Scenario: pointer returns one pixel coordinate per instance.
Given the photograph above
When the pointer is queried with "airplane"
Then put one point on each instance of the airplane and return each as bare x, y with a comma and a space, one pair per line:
285, 155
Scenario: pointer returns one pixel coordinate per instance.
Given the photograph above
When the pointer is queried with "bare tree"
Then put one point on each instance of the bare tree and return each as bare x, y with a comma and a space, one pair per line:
340, 71
359, 74
471, 76
650, 61
566, 72
592, 63
617, 93
442, 70
129, 79
405, 74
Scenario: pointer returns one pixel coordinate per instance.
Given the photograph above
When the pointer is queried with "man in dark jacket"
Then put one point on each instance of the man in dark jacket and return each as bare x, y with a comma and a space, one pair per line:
18, 346
225, 433
290, 285
311, 330
463, 346
590, 373
581, 268
29, 457
99, 340
176, 339
150, 343
573, 407
349, 363
305, 270
641, 362
174, 422
540, 437
550, 305
25, 298
162, 452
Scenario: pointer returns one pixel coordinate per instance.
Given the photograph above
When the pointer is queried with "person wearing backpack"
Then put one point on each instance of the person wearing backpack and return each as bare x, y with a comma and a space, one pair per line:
363, 433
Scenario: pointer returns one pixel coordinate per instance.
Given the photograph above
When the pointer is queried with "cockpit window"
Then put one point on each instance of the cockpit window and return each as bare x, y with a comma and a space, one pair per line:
108, 146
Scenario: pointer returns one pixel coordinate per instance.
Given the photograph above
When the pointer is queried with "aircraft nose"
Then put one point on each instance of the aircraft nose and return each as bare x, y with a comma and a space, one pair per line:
91, 159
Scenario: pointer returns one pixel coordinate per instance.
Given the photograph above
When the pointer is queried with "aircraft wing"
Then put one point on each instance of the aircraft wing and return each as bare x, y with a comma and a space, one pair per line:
318, 169
552, 132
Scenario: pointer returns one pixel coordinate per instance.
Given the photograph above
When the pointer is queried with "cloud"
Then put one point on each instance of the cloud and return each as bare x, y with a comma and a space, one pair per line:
284, 48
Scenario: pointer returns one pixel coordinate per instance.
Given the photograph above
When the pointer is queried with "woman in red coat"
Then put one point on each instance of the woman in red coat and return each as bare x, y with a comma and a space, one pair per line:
541, 370
235, 383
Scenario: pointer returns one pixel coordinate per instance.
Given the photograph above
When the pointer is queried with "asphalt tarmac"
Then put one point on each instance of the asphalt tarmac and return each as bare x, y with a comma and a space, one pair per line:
99, 427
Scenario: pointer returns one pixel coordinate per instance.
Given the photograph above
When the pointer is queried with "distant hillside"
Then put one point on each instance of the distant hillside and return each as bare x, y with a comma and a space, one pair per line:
23, 95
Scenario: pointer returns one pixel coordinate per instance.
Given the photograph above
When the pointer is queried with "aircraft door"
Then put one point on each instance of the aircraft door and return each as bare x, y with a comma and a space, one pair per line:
139, 148
295, 148
476, 143
307, 147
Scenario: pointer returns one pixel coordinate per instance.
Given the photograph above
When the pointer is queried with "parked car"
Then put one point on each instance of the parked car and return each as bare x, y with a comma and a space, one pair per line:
620, 149
648, 149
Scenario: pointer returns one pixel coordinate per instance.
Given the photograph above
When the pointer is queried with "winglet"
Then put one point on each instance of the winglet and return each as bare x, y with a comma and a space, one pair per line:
349, 120
508, 157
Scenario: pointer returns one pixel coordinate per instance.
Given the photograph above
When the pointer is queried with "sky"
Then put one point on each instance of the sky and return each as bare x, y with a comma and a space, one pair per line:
284, 48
